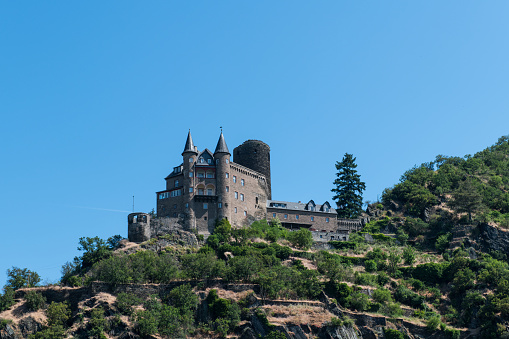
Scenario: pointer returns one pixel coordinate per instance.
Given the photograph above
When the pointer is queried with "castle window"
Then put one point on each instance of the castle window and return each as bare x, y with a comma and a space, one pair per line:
220, 205
273, 215
227, 161
312, 218
326, 219
201, 160
209, 161
200, 191
297, 217
210, 191
175, 193
176, 183
227, 175
190, 190
286, 216
205, 206
236, 195
235, 209
190, 174
242, 182
256, 200
187, 205
201, 175
234, 179
241, 197
210, 175
227, 188
245, 213
190, 159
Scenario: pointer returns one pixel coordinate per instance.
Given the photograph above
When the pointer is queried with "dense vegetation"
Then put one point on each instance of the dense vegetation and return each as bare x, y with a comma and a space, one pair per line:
476, 184
403, 257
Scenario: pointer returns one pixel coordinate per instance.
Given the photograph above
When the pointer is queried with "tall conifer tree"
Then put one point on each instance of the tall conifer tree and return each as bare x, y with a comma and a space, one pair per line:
349, 188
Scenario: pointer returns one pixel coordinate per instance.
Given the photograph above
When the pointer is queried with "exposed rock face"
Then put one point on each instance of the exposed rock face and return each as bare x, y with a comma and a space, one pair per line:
493, 239
176, 237
28, 326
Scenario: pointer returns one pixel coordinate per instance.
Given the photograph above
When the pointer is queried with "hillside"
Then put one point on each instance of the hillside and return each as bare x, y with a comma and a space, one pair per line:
431, 263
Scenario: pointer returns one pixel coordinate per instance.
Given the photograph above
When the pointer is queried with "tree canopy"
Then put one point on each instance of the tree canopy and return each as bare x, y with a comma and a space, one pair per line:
348, 188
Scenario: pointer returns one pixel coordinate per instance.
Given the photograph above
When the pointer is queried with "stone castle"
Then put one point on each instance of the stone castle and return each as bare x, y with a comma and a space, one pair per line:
208, 186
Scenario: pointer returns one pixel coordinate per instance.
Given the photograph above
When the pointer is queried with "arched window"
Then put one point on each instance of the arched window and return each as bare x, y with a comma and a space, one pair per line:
201, 189
210, 190
176, 183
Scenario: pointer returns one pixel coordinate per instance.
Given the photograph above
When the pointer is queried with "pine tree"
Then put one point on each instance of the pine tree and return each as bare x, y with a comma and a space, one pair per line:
349, 187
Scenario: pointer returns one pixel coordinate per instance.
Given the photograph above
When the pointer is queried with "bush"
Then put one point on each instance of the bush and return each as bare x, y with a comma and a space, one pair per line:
381, 295
407, 297
382, 278
34, 300
433, 322
409, 255
358, 301
7, 299
58, 313
146, 323
301, 238
125, 303
393, 334
370, 265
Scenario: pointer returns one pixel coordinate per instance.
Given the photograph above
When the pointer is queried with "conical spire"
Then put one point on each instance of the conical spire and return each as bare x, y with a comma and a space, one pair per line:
221, 145
189, 144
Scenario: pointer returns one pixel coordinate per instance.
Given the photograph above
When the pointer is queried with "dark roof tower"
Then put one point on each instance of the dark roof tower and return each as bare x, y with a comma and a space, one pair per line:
189, 145
221, 145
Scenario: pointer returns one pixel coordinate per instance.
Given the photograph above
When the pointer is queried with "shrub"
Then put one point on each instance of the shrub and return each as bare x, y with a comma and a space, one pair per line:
125, 303
381, 295
409, 255
382, 278
58, 313
146, 322
7, 299
370, 265
34, 300
393, 334
442, 242
301, 238
358, 301
433, 322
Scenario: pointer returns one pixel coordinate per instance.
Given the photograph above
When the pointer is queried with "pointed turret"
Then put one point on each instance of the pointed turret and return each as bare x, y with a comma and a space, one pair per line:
221, 145
189, 145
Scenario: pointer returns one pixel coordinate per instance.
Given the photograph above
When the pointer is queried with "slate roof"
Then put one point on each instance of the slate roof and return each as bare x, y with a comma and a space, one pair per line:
189, 144
298, 206
221, 145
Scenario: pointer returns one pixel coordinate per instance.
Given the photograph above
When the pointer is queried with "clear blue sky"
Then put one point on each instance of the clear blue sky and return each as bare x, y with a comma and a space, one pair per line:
96, 99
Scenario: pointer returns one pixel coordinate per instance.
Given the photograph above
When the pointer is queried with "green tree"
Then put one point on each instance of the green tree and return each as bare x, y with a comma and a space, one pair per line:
34, 300
348, 188
22, 277
94, 249
301, 238
409, 255
58, 314
466, 198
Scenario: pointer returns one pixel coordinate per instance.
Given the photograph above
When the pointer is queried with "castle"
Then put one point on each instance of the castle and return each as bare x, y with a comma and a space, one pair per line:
208, 186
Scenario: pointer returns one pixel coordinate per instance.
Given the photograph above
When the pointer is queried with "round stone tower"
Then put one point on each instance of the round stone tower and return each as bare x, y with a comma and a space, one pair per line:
189, 159
254, 154
222, 156
138, 227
